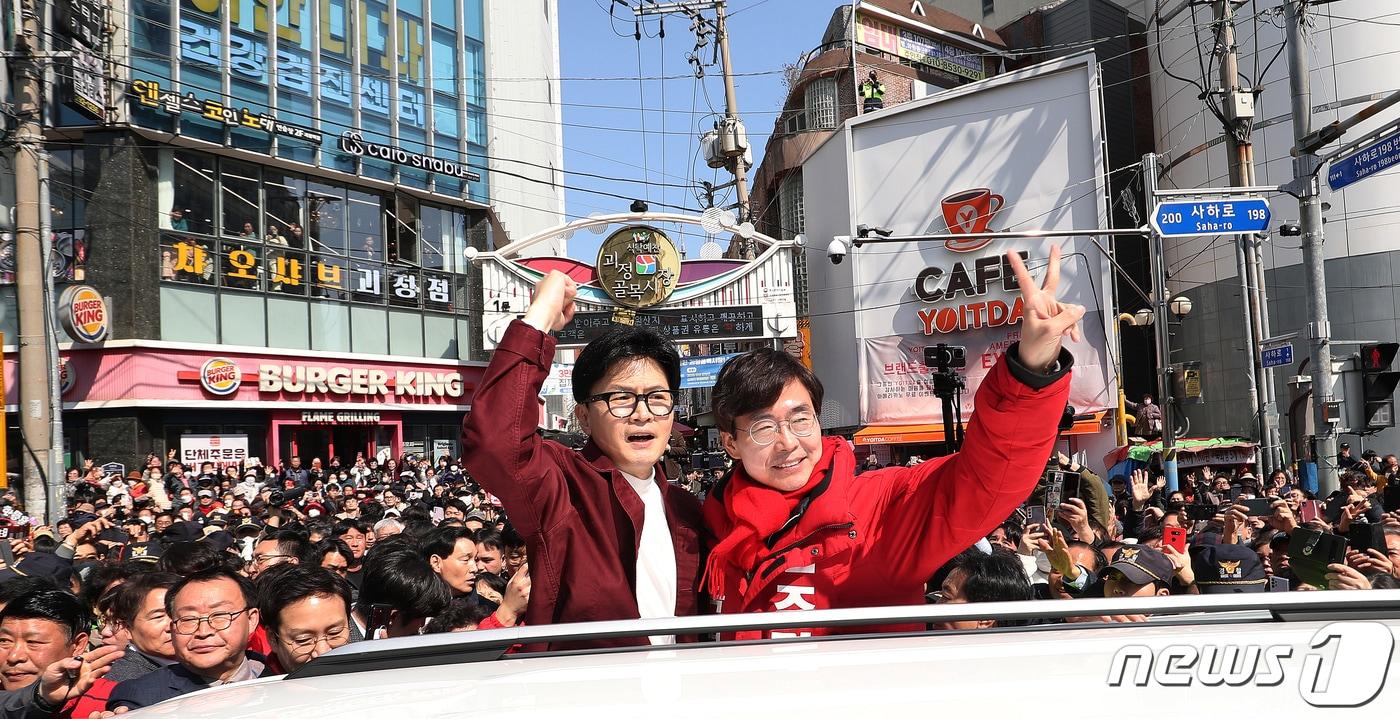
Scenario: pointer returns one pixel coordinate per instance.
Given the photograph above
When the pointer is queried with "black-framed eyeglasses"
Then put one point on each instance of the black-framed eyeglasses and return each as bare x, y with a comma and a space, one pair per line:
765, 431
218, 621
622, 404
331, 638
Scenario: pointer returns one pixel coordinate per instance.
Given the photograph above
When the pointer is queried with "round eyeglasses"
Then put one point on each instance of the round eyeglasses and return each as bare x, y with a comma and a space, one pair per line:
659, 402
765, 431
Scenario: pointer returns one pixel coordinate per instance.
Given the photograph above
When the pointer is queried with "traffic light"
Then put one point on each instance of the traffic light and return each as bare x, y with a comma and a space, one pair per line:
1378, 383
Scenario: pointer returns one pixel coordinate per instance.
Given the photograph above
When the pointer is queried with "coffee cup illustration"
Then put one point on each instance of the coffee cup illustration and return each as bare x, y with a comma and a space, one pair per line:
969, 212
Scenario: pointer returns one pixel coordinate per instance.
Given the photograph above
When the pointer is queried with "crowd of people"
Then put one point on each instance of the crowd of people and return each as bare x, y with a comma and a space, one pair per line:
196, 577
175, 578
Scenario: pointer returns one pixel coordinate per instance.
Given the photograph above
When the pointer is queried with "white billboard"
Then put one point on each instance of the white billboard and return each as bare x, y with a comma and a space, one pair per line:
1021, 151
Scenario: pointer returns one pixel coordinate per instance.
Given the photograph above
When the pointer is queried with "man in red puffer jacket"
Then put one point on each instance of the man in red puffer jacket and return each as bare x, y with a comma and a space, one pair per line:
795, 528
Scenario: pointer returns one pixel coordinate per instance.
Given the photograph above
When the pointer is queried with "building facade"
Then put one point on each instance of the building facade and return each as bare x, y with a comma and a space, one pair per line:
277, 201
914, 49
1348, 68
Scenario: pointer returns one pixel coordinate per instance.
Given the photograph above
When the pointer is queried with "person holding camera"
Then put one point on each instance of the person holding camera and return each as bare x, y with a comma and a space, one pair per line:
797, 530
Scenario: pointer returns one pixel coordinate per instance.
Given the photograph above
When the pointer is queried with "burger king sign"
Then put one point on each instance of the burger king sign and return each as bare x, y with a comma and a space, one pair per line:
83, 313
220, 376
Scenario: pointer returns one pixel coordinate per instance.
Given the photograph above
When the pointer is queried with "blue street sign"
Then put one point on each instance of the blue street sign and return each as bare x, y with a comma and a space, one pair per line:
1380, 155
703, 371
1222, 216
1278, 355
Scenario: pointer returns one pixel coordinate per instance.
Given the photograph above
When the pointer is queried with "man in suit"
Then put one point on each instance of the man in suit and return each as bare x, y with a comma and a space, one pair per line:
212, 615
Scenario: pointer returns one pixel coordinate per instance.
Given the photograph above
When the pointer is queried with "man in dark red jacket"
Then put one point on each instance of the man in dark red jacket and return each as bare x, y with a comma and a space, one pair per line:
608, 536
796, 529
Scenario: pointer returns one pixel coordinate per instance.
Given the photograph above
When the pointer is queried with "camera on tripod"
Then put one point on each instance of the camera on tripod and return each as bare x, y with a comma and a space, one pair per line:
941, 357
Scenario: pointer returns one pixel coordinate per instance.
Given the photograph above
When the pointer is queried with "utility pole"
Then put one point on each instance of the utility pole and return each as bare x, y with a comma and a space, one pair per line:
1161, 326
732, 123
30, 269
1319, 330
732, 138
1239, 112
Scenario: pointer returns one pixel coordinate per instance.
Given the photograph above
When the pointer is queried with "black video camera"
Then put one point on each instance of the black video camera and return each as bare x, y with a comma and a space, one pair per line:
942, 358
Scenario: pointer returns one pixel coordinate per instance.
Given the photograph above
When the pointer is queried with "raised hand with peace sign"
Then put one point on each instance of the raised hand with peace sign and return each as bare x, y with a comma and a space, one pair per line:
1046, 320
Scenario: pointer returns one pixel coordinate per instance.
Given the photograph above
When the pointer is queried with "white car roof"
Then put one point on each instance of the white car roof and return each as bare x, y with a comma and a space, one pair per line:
1295, 654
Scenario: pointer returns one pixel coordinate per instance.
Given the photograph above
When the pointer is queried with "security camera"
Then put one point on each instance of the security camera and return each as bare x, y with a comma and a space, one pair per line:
836, 251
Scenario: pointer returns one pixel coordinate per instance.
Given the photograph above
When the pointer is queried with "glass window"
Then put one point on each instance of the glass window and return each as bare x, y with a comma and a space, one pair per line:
445, 13
820, 100
192, 183
446, 121
405, 333
369, 330
476, 126
189, 314
289, 325
790, 204
186, 258
242, 216
445, 74
247, 323
284, 196
475, 19
336, 87
335, 30
367, 283
329, 277
326, 217
240, 263
474, 67
439, 337
365, 218
405, 288
330, 327
202, 45
287, 272
436, 236
403, 231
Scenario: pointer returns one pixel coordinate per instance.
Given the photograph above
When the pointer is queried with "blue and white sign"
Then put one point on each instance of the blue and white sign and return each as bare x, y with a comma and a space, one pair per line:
702, 371
1380, 155
1278, 355
1201, 218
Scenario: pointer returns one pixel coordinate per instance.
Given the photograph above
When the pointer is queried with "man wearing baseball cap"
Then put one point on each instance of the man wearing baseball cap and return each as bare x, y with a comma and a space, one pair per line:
1228, 569
1138, 571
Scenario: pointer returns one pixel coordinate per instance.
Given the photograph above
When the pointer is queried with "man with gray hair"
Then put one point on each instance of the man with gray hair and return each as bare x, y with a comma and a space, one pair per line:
387, 527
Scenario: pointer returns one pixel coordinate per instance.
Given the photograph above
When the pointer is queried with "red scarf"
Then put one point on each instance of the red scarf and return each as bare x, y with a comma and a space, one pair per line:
746, 513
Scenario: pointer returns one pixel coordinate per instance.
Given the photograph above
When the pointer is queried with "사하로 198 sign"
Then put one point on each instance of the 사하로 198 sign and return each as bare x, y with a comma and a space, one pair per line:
638, 266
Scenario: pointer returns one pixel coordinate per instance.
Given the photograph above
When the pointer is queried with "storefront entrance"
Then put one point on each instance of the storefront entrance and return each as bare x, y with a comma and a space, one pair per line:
347, 434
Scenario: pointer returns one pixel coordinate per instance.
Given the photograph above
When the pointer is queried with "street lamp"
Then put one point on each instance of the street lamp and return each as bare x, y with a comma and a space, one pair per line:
1144, 317
1180, 306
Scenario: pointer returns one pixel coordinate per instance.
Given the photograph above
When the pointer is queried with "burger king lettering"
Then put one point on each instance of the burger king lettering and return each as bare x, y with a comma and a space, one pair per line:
300, 379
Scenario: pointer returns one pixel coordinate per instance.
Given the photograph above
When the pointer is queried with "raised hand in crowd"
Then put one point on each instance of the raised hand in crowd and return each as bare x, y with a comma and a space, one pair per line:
1076, 515
1142, 490
1047, 320
74, 676
1340, 576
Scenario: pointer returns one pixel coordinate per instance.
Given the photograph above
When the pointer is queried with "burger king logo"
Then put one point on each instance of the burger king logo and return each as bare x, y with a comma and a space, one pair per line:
220, 376
84, 313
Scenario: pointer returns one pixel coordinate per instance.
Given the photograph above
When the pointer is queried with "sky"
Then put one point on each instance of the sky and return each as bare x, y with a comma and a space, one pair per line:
607, 133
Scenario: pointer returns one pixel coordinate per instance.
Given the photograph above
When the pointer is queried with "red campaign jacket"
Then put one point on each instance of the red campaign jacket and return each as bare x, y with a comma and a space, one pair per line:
876, 539
581, 521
